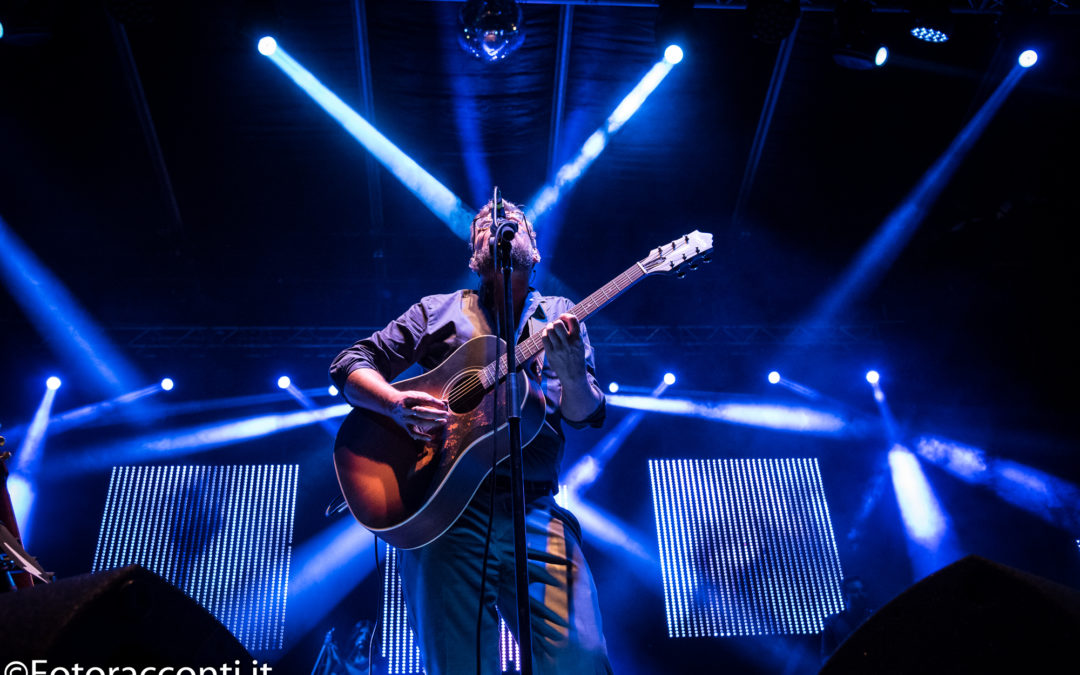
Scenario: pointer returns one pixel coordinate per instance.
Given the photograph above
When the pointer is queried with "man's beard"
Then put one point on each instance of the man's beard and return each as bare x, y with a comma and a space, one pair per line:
485, 265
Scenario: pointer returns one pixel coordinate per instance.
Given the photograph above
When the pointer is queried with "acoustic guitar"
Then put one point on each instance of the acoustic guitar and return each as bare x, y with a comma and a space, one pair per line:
408, 492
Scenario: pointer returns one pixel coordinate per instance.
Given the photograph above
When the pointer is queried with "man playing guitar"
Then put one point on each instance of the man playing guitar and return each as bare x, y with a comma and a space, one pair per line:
443, 580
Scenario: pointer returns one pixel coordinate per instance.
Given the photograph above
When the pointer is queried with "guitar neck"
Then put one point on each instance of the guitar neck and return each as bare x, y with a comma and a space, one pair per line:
532, 345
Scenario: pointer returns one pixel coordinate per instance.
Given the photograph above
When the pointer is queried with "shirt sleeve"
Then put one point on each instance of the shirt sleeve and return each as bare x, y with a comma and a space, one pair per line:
389, 351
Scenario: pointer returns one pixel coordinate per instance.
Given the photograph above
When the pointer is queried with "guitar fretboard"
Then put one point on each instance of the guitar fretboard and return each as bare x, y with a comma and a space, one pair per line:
590, 305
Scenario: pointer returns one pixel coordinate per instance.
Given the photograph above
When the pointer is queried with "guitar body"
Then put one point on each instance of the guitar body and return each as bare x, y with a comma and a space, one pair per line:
408, 492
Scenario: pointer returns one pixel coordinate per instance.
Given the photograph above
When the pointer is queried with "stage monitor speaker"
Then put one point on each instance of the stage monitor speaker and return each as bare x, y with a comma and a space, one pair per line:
974, 616
122, 617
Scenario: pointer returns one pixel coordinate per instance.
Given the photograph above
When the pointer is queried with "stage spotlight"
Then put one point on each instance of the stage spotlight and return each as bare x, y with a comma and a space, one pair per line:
774, 377
1028, 58
267, 46
854, 45
1, 29
283, 382
929, 34
669, 378
167, 384
932, 22
491, 29
613, 387
674, 23
873, 377
333, 391
53, 383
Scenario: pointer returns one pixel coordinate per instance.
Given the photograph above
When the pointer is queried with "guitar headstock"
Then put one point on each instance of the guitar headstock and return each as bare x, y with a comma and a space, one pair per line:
686, 252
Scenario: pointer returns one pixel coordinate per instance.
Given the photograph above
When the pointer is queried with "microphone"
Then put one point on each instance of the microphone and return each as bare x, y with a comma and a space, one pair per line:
502, 228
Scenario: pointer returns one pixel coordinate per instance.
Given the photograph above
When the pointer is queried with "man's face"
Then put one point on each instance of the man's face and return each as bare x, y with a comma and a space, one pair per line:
522, 253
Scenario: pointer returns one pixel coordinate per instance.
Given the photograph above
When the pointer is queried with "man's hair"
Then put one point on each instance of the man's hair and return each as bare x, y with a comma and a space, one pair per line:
484, 214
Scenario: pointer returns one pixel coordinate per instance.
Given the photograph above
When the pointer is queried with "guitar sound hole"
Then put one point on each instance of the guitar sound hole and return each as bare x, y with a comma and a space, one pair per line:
466, 394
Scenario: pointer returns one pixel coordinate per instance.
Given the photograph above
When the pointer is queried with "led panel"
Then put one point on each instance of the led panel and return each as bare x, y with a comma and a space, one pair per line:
746, 546
221, 534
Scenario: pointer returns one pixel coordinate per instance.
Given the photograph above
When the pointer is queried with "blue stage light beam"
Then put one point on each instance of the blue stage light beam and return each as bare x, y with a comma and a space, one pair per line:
892, 430
1050, 498
213, 436
23, 478
59, 318
433, 194
88, 414
931, 543
468, 121
878, 255
802, 390
586, 470
611, 534
767, 415
569, 173
923, 518
305, 401
326, 568
97, 412
183, 442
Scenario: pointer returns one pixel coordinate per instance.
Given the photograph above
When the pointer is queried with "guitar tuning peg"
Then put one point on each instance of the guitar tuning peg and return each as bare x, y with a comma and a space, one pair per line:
694, 264
707, 258
680, 274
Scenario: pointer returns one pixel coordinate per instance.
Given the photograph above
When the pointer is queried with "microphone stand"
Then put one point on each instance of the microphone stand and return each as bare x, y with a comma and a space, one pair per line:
513, 414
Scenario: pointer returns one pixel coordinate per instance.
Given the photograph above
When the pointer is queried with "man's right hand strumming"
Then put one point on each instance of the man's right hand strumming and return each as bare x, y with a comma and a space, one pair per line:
418, 413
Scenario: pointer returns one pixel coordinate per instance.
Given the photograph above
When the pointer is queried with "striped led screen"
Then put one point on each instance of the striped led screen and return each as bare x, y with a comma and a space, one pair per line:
221, 534
746, 546
399, 650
